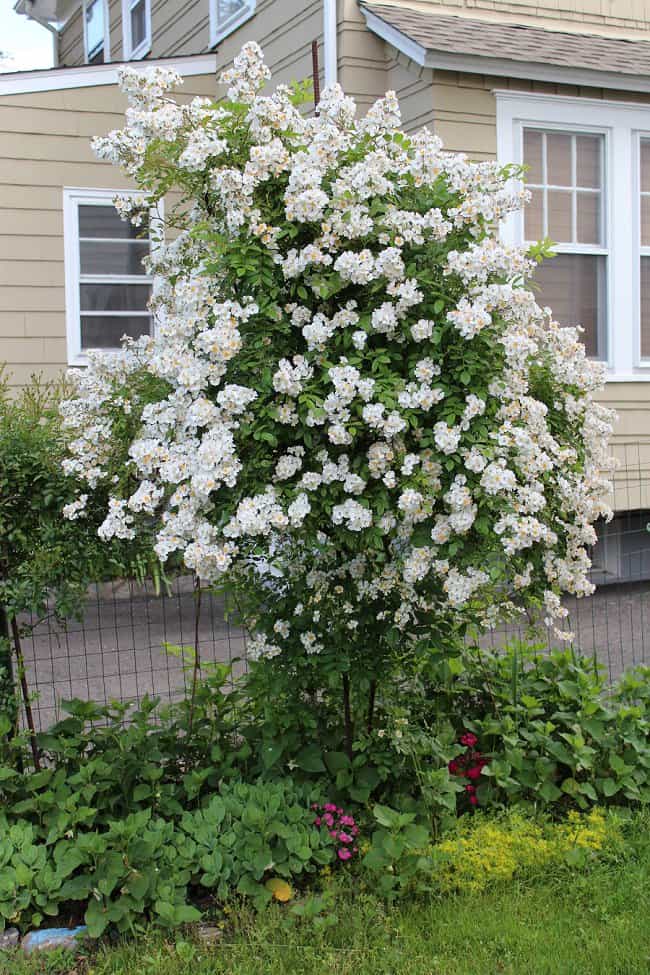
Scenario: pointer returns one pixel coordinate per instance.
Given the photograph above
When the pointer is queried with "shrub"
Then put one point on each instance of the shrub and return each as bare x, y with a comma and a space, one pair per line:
352, 411
46, 561
146, 867
554, 733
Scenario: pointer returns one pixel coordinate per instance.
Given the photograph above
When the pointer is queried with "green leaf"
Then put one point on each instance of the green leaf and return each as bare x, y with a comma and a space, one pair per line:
610, 787
96, 918
310, 759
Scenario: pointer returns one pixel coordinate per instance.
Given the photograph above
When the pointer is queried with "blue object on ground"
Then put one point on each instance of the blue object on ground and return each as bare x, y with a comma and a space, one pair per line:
53, 938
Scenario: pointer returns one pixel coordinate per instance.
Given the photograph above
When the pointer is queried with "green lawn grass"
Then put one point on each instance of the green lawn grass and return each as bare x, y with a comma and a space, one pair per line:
595, 923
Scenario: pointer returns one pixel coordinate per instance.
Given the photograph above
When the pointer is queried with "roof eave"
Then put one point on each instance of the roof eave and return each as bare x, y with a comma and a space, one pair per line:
501, 67
55, 12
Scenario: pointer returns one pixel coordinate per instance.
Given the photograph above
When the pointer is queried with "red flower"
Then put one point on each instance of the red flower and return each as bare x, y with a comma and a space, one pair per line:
468, 739
474, 772
473, 800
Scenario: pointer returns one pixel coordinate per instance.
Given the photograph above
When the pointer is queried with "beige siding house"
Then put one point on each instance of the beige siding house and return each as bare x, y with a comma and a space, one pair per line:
563, 87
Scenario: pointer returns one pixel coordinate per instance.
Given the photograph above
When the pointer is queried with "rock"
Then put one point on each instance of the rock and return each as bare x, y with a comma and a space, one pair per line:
52, 938
209, 933
9, 939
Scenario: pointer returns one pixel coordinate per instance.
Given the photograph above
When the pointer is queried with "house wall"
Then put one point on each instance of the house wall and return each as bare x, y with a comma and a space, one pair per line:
46, 146
284, 29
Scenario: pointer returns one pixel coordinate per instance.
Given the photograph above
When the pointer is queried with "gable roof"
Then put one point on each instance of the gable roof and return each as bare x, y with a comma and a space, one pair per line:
484, 46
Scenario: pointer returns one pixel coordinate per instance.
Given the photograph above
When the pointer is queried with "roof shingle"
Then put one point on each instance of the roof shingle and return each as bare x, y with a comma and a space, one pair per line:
510, 42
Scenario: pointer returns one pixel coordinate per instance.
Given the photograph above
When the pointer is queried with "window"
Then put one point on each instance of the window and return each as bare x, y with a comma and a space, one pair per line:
589, 175
644, 242
136, 24
227, 15
565, 177
107, 287
96, 31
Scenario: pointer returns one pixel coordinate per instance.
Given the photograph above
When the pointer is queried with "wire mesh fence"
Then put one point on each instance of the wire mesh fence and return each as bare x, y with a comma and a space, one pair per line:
124, 646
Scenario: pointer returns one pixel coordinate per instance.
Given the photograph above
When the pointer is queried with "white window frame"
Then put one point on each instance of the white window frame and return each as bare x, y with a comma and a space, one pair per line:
220, 30
107, 33
73, 198
131, 53
622, 124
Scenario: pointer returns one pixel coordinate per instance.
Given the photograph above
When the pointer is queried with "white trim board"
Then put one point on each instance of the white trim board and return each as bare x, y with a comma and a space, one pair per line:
96, 75
73, 197
622, 124
502, 67
140, 51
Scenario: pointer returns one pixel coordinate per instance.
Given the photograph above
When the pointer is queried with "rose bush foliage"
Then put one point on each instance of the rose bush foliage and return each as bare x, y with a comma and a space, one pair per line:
351, 396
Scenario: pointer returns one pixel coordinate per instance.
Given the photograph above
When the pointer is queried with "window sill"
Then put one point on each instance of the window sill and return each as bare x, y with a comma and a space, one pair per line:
140, 52
628, 377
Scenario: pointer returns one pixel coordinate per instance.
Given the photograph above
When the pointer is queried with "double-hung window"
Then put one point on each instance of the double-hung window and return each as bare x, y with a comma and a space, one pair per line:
136, 23
566, 180
226, 16
107, 286
96, 31
588, 171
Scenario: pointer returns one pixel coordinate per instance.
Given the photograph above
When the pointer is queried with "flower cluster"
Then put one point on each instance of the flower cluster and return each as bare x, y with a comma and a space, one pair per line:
349, 391
341, 828
469, 765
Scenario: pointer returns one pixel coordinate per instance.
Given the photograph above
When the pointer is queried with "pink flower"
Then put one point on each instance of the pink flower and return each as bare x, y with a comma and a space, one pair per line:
317, 821
333, 834
328, 819
330, 807
345, 838
347, 820
344, 854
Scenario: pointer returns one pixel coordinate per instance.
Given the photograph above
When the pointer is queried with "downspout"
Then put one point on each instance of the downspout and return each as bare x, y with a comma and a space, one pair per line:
330, 42
27, 8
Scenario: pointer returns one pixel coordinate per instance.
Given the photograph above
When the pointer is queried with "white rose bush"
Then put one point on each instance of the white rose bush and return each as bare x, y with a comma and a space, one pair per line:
352, 410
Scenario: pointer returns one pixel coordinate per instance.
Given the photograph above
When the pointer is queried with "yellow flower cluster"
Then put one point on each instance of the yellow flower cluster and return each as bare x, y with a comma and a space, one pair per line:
487, 851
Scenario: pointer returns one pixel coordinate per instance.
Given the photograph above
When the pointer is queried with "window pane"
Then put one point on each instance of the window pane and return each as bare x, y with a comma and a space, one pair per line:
574, 287
588, 149
645, 165
558, 159
105, 221
588, 230
138, 24
533, 155
94, 26
645, 307
106, 331
560, 205
114, 297
113, 257
645, 221
227, 9
534, 216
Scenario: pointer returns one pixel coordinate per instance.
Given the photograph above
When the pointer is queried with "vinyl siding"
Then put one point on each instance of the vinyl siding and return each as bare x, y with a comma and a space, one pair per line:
46, 146
284, 28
